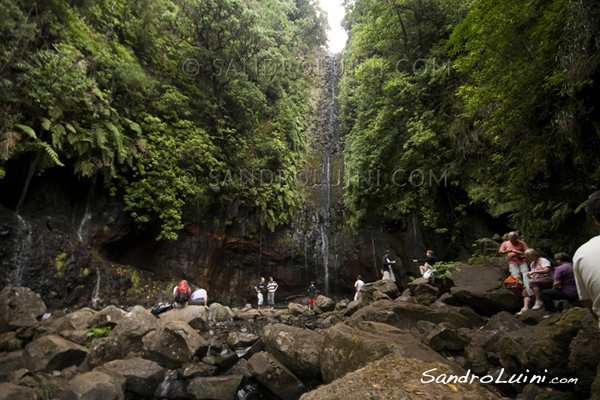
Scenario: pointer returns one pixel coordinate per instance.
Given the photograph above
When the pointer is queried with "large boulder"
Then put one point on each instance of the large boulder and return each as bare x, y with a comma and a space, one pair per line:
173, 344
584, 355
297, 309
482, 288
142, 376
10, 391
20, 307
405, 315
98, 385
298, 349
397, 377
220, 313
423, 291
108, 316
385, 287
324, 303
125, 339
445, 337
51, 353
236, 340
81, 319
11, 361
275, 376
503, 322
347, 349
214, 387
194, 316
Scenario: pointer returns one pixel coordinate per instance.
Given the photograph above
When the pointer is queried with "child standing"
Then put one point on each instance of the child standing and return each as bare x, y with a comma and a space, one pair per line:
312, 295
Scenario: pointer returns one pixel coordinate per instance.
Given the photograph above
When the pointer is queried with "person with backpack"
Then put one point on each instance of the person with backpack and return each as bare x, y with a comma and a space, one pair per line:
182, 293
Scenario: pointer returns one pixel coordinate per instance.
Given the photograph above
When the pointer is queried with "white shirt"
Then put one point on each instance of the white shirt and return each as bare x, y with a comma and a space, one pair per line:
586, 268
199, 294
358, 285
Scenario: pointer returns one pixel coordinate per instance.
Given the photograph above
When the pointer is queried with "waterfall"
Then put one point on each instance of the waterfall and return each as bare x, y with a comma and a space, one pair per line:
23, 253
87, 215
28, 180
96, 293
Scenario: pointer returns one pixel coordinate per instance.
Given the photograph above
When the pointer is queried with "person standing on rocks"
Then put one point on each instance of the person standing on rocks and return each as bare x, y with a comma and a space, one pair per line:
586, 262
272, 288
515, 250
260, 291
312, 295
358, 286
386, 269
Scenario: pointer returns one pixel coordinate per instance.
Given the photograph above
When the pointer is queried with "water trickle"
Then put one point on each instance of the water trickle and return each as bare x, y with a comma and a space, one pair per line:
23, 253
96, 293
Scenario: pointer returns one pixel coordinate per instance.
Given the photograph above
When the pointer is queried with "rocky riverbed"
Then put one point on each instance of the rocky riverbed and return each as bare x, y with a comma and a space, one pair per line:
458, 340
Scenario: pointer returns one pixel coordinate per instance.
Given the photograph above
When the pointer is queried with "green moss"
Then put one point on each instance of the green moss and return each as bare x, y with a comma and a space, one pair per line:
86, 272
106, 229
59, 262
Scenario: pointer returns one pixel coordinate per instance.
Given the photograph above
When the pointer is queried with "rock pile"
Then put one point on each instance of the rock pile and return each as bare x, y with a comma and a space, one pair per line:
456, 342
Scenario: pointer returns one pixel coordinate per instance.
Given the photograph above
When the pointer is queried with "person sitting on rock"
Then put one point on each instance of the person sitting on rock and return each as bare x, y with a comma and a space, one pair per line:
564, 287
199, 298
182, 293
539, 278
515, 251
427, 262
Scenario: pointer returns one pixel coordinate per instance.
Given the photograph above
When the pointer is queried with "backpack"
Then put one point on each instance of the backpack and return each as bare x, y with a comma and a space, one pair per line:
182, 294
513, 283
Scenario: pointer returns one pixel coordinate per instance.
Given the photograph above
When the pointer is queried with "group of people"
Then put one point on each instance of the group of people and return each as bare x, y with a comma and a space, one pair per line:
266, 288
571, 279
539, 281
183, 295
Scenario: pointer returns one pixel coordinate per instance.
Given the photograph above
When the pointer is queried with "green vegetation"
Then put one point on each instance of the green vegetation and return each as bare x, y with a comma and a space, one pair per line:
59, 262
512, 123
161, 99
96, 333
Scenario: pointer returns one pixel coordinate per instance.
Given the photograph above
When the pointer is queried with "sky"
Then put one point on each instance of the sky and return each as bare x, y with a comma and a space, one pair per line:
336, 36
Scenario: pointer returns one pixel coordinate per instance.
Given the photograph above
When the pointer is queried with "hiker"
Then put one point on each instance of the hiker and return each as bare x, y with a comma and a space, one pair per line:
427, 262
586, 264
538, 278
515, 250
260, 290
312, 295
199, 298
386, 269
182, 293
358, 286
563, 287
271, 289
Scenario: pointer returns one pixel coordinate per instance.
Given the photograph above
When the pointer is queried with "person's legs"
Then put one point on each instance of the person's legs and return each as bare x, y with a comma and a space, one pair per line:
537, 285
271, 298
423, 269
515, 271
549, 295
260, 299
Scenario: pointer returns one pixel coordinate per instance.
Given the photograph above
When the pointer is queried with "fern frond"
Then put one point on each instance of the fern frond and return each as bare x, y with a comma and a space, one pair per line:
50, 151
28, 130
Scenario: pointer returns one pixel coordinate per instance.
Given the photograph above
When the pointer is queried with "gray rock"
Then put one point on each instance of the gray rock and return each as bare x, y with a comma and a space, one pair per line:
11, 361
298, 349
76, 336
108, 316
20, 307
392, 376
445, 337
297, 309
194, 316
10, 391
172, 387
503, 322
275, 376
193, 370
80, 319
218, 312
214, 387
142, 376
324, 303
347, 349
98, 385
236, 340
173, 344
423, 291
384, 286
584, 355
405, 315
352, 307
51, 353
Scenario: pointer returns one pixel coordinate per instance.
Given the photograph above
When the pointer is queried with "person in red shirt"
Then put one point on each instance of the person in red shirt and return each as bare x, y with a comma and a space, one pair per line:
515, 250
